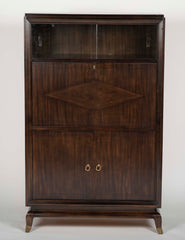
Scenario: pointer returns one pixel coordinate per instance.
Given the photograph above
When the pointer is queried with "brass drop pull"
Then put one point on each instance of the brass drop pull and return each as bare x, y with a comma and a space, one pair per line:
87, 167
98, 167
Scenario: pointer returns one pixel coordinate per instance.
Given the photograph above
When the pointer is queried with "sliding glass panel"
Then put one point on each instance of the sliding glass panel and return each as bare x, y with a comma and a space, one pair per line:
86, 41
126, 41
63, 41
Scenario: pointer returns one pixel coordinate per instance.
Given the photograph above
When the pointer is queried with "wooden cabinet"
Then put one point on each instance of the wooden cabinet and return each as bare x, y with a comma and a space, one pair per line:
94, 112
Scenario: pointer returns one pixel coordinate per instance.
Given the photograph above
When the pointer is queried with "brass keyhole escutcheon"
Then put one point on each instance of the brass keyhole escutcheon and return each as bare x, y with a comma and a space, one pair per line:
87, 167
98, 167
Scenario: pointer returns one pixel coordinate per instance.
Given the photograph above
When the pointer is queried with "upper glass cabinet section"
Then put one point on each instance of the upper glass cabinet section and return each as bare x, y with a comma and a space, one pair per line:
93, 41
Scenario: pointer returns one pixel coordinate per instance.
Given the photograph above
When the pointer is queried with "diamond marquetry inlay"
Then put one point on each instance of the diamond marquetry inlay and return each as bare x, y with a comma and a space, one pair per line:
94, 95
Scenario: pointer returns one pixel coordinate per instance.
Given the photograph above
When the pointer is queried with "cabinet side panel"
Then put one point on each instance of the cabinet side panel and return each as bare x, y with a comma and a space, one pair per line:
28, 108
159, 110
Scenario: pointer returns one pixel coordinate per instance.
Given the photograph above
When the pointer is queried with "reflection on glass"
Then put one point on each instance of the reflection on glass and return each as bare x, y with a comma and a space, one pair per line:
93, 41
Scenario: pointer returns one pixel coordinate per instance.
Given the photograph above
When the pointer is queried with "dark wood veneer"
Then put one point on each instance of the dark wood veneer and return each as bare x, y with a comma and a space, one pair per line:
48, 78
60, 157
94, 96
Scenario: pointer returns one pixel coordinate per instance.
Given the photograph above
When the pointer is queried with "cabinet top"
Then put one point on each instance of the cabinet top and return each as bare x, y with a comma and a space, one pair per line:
93, 18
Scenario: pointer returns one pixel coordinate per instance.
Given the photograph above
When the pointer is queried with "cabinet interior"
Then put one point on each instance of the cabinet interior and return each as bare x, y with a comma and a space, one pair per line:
94, 41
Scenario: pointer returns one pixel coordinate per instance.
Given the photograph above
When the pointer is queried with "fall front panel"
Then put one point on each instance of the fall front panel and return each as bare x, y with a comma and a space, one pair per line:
94, 94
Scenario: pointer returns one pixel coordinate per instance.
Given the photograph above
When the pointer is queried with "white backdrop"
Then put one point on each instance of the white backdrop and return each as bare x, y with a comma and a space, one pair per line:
12, 210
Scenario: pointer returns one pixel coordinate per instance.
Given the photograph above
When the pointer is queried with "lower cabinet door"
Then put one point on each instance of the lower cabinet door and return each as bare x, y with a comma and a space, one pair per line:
93, 165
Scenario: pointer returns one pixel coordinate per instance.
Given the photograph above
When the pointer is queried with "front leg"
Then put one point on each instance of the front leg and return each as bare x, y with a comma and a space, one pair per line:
29, 221
158, 222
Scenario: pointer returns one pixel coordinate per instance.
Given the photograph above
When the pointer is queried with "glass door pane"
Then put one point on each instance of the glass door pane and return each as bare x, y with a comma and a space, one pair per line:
63, 41
126, 41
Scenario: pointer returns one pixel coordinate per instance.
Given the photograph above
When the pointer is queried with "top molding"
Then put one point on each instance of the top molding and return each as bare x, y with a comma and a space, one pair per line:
93, 19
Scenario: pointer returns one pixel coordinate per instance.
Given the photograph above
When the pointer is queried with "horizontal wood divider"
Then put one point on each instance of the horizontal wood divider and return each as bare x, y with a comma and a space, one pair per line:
51, 128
